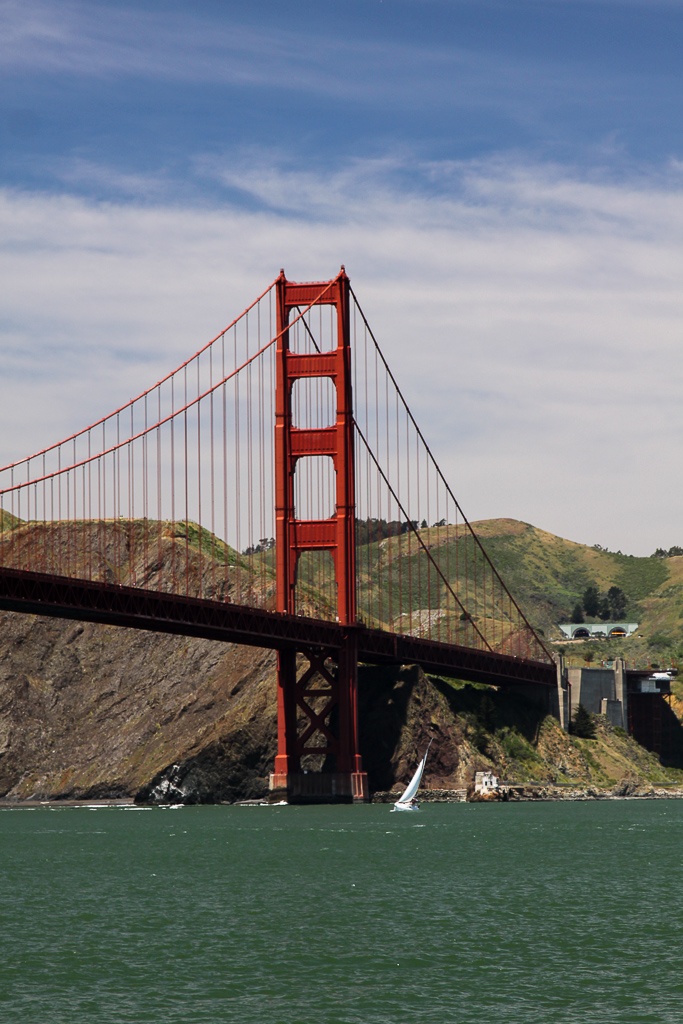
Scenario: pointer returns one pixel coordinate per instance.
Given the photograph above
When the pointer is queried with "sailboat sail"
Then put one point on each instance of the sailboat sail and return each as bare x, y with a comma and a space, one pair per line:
414, 784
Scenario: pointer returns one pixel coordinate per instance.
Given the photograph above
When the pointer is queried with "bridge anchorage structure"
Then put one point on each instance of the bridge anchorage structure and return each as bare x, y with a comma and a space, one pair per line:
273, 491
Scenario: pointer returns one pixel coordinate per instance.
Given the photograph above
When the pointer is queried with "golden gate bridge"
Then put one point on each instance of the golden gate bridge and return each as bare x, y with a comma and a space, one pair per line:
274, 490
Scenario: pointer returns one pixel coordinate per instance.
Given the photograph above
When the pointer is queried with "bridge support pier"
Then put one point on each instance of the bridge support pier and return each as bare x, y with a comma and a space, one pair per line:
317, 759
560, 699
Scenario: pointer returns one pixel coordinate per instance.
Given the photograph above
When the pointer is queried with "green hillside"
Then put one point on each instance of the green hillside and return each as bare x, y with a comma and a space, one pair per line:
548, 576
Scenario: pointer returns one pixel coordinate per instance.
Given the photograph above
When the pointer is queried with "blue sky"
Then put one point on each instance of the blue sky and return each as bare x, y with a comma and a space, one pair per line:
503, 181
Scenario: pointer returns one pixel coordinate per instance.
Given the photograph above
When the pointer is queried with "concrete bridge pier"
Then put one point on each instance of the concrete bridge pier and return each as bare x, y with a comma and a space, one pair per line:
560, 697
602, 691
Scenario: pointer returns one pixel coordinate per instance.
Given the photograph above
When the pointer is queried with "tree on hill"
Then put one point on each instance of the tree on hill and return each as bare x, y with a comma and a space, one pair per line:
264, 544
591, 600
369, 531
617, 602
583, 724
577, 613
611, 605
663, 553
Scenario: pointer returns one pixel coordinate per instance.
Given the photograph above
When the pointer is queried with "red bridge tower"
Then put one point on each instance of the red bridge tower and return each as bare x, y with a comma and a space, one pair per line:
317, 687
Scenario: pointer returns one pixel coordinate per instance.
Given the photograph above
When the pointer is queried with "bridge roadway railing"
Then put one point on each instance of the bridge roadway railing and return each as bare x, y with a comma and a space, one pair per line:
61, 597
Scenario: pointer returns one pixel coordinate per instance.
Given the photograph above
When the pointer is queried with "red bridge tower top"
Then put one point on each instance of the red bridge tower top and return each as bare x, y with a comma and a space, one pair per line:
292, 443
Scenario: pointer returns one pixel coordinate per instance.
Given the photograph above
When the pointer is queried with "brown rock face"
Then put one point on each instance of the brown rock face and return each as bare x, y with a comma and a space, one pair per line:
92, 711
89, 711
400, 711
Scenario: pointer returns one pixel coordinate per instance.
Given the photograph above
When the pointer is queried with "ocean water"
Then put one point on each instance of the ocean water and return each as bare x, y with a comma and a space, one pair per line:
469, 913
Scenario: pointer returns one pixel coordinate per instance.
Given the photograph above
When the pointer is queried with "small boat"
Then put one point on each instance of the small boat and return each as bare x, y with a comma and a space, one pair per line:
407, 801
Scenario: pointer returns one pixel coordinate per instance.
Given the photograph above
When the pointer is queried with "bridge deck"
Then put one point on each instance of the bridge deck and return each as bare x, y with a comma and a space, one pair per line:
59, 597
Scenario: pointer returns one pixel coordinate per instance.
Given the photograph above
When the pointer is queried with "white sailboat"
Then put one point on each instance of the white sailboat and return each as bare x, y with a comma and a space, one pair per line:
407, 801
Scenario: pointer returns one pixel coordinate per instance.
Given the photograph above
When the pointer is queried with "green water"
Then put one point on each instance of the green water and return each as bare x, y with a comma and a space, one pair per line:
508, 913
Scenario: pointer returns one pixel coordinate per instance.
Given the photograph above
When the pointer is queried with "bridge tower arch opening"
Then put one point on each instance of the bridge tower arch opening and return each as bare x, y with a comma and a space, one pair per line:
317, 687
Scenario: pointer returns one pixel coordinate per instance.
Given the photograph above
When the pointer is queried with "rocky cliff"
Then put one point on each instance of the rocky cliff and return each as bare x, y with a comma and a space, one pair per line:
89, 710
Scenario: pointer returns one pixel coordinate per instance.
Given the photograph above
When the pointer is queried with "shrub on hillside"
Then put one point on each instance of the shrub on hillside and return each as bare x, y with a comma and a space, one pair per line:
514, 745
660, 642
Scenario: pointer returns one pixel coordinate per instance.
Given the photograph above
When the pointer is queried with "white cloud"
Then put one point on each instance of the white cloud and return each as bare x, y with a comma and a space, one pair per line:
532, 318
